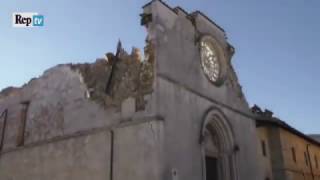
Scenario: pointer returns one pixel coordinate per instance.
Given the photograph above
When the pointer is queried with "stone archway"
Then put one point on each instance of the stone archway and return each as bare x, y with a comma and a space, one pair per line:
218, 147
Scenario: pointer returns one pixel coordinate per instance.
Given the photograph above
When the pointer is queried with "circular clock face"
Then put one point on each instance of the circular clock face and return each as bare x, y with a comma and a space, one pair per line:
210, 60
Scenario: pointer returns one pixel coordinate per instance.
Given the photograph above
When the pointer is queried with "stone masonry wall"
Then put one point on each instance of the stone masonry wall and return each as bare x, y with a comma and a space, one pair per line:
70, 98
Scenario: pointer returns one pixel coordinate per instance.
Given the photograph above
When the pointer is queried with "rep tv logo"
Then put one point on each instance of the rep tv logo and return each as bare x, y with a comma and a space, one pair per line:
27, 19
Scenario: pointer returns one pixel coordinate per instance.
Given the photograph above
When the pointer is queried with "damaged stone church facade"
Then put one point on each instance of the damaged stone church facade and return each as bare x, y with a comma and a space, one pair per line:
177, 113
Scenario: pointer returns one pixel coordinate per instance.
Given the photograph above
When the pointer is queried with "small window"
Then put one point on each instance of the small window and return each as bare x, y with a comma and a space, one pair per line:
293, 152
22, 125
316, 161
264, 150
306, 158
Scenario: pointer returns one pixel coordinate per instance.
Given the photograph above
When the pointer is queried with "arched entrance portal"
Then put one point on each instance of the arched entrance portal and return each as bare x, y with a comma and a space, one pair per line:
218, 148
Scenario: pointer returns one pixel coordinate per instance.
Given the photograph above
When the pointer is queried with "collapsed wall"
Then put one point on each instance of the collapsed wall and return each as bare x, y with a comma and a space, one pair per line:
71, 98
118, 77
112, 79
77, 121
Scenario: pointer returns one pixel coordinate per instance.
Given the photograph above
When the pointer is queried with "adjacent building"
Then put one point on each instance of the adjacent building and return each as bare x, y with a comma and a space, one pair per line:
287, 153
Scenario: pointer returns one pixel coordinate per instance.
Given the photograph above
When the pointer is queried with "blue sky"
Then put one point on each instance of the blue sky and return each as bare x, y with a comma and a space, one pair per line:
277, 45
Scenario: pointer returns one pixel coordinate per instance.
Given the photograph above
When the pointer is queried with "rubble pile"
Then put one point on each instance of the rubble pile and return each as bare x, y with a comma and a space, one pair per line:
118, 77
